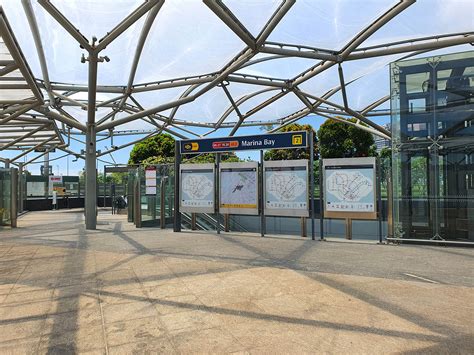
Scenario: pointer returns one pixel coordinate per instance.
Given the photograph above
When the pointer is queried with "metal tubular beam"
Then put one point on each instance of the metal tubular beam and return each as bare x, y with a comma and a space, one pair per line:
21, 111
248, 79
236, 109
351, 112
186, 93
265, 104
174, 83
153, 122
40, 155
8, 69
126, 23
226, 16
343, 85
12, 45
19, 139
82, 88
144, 113
56, 116
127, 144
136, 58
64, 22
39, 145
67, 98
313, 54
375, 104
241, 101
430, 45
274, 21
108, 102
141, 42
39, 45
359, 126
374, 26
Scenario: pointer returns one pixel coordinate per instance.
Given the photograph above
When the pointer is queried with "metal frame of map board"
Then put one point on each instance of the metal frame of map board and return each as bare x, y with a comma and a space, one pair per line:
197, 168
286, 165
246, 166
350, 163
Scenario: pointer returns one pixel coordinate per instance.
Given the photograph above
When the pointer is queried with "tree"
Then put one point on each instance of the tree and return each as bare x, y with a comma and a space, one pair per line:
341, 140
289, 154
159, 147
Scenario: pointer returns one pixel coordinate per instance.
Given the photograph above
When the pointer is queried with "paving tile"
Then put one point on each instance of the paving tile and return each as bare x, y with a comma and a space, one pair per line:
85, 338
168, 290
135, 330
188, 321
210, 341
158, 346
176, 304
29, 311
127, 311
18, 298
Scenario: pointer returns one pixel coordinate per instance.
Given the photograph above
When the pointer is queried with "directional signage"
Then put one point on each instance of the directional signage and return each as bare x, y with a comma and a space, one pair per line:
285, 140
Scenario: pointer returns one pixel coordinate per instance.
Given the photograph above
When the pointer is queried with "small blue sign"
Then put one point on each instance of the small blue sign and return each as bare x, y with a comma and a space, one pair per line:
286, 140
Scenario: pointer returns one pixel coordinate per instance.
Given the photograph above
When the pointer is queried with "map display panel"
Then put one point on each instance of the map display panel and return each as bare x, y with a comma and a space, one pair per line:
286, 188
350, 188
197, 188
239, 188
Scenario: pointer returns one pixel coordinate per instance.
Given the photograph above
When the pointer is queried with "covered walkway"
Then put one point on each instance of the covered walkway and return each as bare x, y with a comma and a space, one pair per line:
118, 289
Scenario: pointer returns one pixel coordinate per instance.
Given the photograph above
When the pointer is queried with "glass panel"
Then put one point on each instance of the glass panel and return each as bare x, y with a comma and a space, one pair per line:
433, 129
5, 196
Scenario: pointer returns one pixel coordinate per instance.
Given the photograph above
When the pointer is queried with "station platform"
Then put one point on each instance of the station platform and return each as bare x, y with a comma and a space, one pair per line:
119, 289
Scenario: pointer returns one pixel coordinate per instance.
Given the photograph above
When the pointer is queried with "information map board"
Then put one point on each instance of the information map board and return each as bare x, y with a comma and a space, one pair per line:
238, 188
150, 181
197, 192
350, 188
286, 188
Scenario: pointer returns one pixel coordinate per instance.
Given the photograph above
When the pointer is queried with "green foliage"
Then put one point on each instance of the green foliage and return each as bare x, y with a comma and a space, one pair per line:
160, 150
340, 140
289, 154
210, 158
160, 146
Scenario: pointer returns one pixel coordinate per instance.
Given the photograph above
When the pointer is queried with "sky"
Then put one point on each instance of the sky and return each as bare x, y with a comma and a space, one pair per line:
188, 39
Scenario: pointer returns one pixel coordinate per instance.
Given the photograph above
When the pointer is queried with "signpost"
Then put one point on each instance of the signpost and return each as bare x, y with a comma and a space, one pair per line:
196, 183
258, 142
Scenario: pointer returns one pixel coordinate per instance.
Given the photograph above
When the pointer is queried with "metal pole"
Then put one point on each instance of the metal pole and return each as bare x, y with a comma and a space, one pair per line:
20, 187
321, 200
90, 154
379, 198
162, 201
262, 199
14, 197
105, 188
218, 162
311, 180
7, 163
46, 174
177, 187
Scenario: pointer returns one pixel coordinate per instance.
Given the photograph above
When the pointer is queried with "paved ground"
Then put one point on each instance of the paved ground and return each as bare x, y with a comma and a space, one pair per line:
123, 290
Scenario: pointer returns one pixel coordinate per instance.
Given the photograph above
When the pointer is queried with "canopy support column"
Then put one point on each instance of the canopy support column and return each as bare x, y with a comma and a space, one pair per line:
90, 151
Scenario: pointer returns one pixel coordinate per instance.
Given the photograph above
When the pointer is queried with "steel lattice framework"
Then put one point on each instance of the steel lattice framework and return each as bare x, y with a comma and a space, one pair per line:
30, 120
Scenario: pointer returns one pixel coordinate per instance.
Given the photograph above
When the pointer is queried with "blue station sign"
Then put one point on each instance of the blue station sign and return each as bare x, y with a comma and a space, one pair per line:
285, 140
